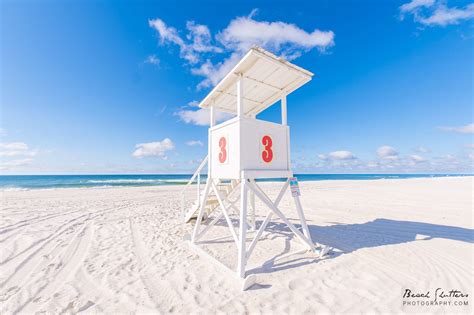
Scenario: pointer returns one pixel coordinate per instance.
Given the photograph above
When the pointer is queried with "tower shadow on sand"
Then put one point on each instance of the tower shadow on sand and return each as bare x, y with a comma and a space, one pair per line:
347, 238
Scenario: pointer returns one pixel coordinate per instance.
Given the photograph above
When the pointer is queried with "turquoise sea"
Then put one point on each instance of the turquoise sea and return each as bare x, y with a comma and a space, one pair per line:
78, 181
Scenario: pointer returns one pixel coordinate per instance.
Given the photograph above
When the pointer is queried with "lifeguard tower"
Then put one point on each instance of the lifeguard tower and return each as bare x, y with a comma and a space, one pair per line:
243, 149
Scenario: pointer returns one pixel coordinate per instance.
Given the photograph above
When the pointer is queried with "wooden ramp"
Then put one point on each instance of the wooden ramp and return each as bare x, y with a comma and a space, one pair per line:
211, 203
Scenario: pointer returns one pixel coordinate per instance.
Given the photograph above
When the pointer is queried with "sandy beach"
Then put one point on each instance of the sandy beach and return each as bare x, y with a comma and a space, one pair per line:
120, 250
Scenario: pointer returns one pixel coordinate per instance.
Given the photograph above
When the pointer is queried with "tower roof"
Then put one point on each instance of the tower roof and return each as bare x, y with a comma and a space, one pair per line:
265, 78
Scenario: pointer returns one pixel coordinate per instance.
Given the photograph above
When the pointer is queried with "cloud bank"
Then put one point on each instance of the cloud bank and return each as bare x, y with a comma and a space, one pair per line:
436, 12
193, 143
387, 159
467, 129
211, 57
21, 153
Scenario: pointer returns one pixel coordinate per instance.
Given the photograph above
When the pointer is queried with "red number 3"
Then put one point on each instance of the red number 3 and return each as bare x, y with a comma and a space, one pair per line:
223, 152
267, 153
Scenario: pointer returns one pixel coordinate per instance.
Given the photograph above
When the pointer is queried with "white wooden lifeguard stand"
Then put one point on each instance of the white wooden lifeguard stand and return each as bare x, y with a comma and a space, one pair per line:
244, 148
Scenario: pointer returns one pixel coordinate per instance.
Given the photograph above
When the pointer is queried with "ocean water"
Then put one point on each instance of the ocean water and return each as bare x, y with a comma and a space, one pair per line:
25, 182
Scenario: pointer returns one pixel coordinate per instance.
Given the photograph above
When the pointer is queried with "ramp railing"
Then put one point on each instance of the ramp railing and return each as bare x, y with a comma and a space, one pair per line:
196, 177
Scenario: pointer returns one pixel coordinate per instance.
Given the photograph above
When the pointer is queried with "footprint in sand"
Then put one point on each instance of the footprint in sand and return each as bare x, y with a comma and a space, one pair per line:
299, 284
11, 291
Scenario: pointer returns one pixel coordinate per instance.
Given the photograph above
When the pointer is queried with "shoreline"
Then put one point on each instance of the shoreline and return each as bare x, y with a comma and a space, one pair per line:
182, 184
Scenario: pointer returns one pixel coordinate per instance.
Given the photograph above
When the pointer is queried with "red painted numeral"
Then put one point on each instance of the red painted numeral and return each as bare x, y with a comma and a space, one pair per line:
223, 152
267, 153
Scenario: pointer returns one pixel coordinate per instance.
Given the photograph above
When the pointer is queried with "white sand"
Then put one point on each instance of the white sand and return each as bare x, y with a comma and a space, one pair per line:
119, 250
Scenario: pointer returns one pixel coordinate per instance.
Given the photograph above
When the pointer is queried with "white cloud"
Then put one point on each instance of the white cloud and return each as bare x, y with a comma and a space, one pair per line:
201, 116
341, 158
415, 163
373, 164
244, 32
417, 158
444, 16
171, 35
14, 164
153, 60
157, 148
342, 155
193, 104
449, 157
322, 157
201, 38
447, 163
16, 149
161, 110
387, 153
198, 35
214, 73
388, 161
193, 143
17, 146
436, 13
421, 149
416, 4
468, 129
241, 34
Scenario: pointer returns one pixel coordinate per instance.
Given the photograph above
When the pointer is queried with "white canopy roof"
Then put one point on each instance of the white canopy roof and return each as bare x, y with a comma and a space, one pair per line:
265, 78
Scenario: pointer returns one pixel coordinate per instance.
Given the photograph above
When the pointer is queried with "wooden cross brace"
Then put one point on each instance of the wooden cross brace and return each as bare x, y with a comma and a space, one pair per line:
249, 185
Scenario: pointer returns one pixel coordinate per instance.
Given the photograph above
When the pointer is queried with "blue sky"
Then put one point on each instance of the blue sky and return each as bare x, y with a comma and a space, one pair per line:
111, 87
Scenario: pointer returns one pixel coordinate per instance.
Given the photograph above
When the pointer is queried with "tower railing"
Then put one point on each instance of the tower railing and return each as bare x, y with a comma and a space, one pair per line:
196, 177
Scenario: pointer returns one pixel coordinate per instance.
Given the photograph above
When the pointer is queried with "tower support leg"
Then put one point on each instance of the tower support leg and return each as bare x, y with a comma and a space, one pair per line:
201, 210
252, 210
242, 259
304, 225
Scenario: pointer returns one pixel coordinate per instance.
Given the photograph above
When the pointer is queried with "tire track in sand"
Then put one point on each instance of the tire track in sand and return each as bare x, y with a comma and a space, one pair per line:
159, 291
42, 249
39, 245
26, 222
66, 264
48, 249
